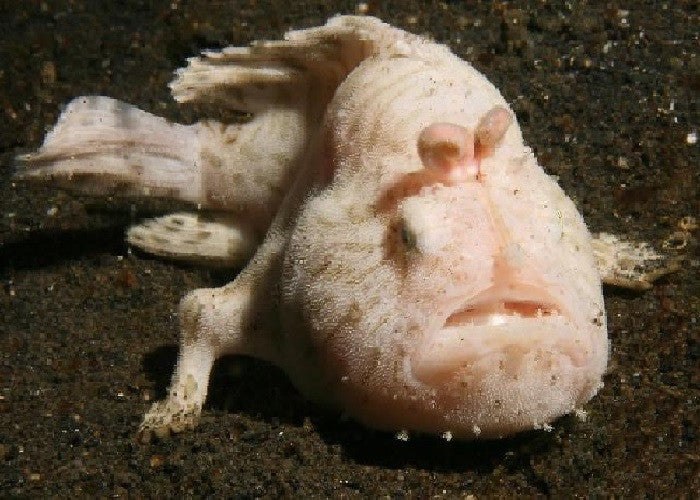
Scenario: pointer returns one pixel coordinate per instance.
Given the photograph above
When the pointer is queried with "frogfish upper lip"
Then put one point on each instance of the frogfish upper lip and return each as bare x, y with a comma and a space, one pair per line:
496, 327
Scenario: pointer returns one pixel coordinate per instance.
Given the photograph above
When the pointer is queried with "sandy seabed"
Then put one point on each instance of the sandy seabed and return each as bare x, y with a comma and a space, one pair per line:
604, 95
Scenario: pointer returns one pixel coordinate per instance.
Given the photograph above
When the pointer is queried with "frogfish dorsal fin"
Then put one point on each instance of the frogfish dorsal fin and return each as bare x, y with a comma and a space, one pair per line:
308, 62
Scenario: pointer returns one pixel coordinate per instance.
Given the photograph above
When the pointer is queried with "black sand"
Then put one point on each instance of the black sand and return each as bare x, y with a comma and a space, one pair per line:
606, 97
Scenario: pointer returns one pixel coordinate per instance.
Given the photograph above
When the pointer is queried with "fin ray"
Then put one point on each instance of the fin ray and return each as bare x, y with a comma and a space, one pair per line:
319, 57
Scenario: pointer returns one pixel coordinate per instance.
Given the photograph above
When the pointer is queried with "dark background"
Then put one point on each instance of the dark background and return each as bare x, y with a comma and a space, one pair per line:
605, 94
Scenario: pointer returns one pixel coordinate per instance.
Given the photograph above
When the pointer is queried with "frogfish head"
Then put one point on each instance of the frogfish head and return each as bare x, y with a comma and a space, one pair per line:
466, 300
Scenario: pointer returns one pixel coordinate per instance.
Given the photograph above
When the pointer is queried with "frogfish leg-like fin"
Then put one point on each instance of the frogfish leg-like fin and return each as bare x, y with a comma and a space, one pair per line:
238, 318
209, 239
629, 264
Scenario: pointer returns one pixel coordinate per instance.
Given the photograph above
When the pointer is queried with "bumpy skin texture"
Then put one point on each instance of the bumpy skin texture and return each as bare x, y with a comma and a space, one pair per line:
418, 269
488, 318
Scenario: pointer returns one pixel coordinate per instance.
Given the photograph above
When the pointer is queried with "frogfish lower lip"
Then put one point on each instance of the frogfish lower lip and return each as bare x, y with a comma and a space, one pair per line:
498, 330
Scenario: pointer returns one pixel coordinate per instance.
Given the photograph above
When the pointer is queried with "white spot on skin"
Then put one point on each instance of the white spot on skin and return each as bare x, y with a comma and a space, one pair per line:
581, 414
419, 228
361, 8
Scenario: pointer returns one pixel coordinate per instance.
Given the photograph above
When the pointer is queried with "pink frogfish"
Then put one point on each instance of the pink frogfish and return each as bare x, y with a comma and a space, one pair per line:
404, 257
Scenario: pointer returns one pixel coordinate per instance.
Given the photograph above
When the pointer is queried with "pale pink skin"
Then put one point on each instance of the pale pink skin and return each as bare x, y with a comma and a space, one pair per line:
418, 270
443, 282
